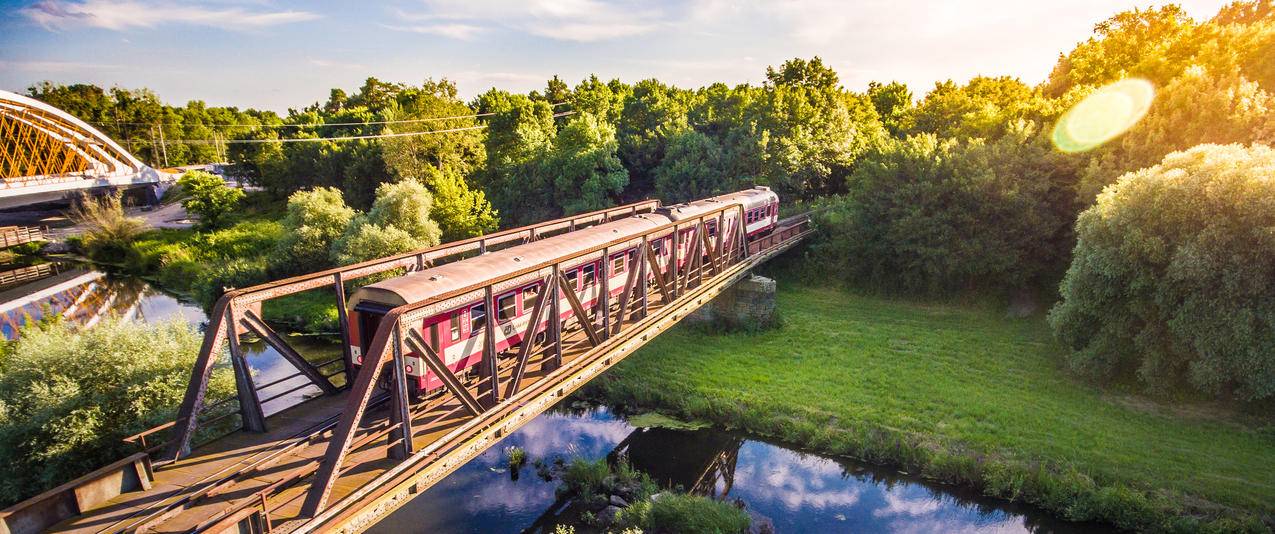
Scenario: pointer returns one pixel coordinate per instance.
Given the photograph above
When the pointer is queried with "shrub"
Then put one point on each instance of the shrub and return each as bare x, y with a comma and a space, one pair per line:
1173, 282
934, 216
316, 219
364, 240
691, 513
406, 206
208, 196
108, 231
68, 397
461, 212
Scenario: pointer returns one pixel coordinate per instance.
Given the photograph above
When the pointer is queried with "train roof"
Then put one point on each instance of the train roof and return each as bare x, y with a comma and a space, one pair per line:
435, 281
750, 198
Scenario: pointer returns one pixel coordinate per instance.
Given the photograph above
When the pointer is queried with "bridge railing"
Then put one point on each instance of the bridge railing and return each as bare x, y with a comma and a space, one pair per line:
238, 312
401, 330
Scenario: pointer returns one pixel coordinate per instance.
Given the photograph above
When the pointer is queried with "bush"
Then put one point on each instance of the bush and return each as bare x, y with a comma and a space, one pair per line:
108, 231
227, 275
1173, 281
690, 513
68, 397
364, 241
208, 196
316, 219
934, 216
406, 206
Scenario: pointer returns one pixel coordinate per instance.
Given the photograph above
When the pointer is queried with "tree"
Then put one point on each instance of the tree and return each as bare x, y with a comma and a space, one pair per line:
410, 156
931, 215
406, 206
1173, 283
208, 196
593, 96
652, 112
694, 167
893, 102
584, 170
519, 135
1153, 43
316, 219
797, 72
984, 107
461, 212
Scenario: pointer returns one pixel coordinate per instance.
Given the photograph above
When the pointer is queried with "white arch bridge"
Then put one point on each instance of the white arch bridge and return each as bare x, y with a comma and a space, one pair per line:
46, 154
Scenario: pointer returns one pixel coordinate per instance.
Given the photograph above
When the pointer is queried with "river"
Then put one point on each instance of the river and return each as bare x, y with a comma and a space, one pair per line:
793, 491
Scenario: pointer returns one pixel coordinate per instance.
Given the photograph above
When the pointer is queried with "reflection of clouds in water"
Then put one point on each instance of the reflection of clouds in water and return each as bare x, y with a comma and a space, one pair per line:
562, 434
498, 492
955, 525
896, 504
793, 479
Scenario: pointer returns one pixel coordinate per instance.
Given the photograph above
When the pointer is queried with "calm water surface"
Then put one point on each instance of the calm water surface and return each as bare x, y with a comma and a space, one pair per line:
795, 491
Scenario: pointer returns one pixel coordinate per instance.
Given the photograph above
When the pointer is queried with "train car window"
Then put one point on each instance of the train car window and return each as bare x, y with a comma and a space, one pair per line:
529, 297
617, 265
433, 337
454, 326
477, 318
572, 275
589, 275
507, 307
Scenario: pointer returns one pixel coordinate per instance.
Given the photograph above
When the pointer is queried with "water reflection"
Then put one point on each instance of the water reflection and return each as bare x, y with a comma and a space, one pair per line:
83, 297
794, 491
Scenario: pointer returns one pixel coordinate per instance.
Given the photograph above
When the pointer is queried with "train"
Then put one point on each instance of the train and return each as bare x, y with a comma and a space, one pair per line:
456, 328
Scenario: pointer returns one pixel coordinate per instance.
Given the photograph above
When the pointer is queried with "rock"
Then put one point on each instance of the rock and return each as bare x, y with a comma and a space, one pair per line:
616, 500
607, 515
658, 496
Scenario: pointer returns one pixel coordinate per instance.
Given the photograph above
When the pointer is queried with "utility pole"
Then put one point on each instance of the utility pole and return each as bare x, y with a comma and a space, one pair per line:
163, 145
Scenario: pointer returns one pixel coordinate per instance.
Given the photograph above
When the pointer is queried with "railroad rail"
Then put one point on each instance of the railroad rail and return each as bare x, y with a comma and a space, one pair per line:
344, 459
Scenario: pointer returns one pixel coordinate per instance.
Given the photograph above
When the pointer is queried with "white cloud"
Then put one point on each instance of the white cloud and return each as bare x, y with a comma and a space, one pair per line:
330, 64
566, 20
63, 14
463, 32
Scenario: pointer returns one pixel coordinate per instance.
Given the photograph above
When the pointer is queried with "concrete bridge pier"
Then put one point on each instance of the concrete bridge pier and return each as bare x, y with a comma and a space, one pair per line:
747, 305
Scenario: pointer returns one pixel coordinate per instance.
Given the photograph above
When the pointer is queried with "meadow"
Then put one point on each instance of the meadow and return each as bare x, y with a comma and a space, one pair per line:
965, 395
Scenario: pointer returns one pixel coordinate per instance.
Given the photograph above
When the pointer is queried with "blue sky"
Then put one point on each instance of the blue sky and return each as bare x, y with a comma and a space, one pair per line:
276, 54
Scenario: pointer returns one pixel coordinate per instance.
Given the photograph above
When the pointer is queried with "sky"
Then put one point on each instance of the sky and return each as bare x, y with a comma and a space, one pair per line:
276, 54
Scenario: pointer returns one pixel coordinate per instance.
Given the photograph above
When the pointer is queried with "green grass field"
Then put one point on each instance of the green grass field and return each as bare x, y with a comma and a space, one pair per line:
964, 396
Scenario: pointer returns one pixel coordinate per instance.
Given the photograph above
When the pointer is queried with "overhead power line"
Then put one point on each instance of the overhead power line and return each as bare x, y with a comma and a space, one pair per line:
343, 138
309, 125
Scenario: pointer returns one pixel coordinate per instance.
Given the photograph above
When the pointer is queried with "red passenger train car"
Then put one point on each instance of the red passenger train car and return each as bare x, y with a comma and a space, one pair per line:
455, 328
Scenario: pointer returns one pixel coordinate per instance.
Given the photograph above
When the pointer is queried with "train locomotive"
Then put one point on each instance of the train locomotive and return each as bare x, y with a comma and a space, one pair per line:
456, 328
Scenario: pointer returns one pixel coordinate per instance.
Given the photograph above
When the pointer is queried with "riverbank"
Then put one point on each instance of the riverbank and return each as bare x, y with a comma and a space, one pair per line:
959, 396
199, 265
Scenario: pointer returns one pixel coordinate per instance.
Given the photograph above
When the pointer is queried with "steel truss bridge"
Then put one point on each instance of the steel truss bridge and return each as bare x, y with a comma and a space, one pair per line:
47, 154
345, 458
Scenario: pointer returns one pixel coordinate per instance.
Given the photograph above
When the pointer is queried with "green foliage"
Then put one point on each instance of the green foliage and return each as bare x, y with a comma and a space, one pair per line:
585, 171
108, 231
365, 240
461, 211
984, 107
893, 102
694, 167
406, 206
1172, 276
316, 218
68, 397
690, 513
208, 196
935, 216
1153, 43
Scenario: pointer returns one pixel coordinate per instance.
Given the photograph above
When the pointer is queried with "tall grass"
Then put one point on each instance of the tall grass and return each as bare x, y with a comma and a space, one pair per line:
108, 231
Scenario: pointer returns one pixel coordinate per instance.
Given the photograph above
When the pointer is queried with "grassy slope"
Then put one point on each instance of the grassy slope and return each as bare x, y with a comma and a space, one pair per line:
959, 395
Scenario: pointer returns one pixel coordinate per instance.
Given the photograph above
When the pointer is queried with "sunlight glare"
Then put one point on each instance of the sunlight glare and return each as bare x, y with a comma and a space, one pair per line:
1106, 113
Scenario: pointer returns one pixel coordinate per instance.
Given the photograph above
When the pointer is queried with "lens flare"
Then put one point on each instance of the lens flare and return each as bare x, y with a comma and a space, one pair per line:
1104, 114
